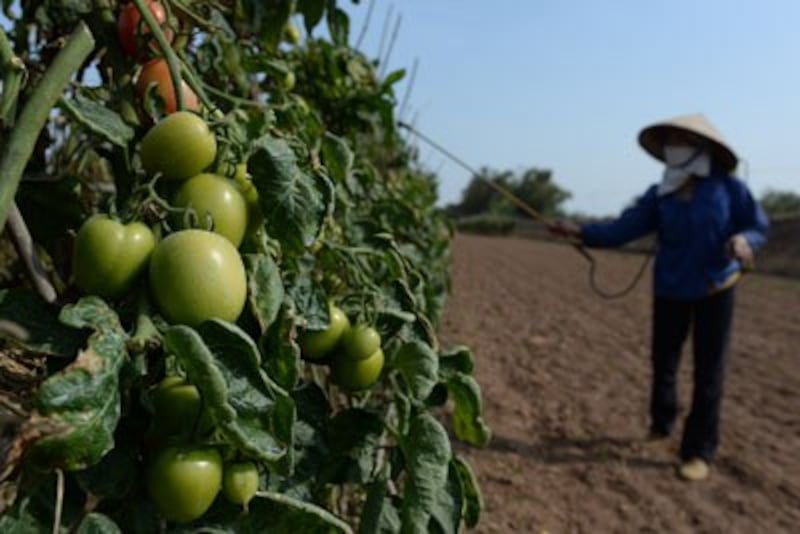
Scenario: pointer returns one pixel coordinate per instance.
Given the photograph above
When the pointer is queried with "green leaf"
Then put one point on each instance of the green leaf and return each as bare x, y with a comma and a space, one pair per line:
380, 514
253, 414
23, 519
265, 288
99, 119
80, 406
457, 359
337, 157
427, 451
312, 11
352, 437
282, 361
446, 513
288, 197
268, 513
95, 523
473, 500
393, 77
419, 365
115, 475
310, 300
310, 452
338, 26
45, 333
468, 422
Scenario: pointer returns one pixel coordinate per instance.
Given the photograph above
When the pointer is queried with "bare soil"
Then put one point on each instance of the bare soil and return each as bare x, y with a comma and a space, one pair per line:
565, 378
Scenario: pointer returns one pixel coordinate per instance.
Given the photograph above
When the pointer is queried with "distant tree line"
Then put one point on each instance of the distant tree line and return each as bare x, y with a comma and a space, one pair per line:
534, 186
780, 204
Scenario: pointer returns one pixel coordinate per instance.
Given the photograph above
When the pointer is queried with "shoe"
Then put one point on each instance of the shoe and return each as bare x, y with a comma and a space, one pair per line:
694, 470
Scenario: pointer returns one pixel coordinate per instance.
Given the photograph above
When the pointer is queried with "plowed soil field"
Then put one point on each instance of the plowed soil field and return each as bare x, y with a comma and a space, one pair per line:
565, 378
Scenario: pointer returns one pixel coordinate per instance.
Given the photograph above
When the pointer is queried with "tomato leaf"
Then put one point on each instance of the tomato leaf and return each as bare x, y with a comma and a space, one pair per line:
95, 523
337, 157
310, 452
338, 26
312, 11
427, 451
44, 332
419, 365
473, 500
78, 408
468, 422
457, 359
252, 412
265, 288
310, 300
380, 514
98, 119
352, 436
288, 197
268, 512
447, 510
282, 360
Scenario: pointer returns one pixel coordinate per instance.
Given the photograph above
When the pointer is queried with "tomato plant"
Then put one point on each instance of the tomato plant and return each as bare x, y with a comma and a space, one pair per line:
138, 393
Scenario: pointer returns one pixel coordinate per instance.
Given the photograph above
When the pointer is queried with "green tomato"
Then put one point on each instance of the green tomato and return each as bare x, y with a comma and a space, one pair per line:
361, 342
184, 481
356, 375
180, 146
317, 344
197, 275
178, 408
109, 256
288, 81
240, 482
219, 198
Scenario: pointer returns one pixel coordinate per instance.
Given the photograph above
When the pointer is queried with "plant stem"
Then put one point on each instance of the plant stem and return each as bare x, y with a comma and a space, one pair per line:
22, 140
169, 54
14, 74
23, 243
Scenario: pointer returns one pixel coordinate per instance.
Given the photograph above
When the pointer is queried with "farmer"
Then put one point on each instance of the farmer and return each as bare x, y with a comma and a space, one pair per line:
708, 227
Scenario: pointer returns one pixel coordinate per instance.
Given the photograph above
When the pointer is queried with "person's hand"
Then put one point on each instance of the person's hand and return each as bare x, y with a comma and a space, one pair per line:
739, 248
565, 228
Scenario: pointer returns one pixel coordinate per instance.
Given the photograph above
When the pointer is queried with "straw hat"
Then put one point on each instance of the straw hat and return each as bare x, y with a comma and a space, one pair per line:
652, 138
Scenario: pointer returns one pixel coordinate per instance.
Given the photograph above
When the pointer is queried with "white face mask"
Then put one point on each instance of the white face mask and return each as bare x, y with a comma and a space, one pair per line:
678, 155
683, 162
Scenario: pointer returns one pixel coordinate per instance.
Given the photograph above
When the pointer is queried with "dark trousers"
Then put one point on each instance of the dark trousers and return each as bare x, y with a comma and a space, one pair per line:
711, 320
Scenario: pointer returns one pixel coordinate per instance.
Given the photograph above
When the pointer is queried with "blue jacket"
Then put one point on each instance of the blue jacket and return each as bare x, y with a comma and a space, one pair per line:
692, 234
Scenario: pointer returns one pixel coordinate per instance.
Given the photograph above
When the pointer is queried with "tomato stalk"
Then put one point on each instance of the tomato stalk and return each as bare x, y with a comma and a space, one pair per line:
13, 77
22, 140
169, 54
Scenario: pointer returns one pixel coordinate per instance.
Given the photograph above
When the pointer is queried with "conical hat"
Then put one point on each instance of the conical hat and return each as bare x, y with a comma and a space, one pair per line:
652, 138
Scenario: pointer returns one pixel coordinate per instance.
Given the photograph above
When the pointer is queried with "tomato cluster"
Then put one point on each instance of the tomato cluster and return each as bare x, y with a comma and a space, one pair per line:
353, 352
184, 477
194, 274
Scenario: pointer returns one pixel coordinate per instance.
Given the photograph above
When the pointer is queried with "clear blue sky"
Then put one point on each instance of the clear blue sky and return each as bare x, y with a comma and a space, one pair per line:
568, 85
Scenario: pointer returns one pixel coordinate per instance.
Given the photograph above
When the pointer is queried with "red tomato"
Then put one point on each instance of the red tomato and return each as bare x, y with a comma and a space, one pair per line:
130, 27
157, 72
